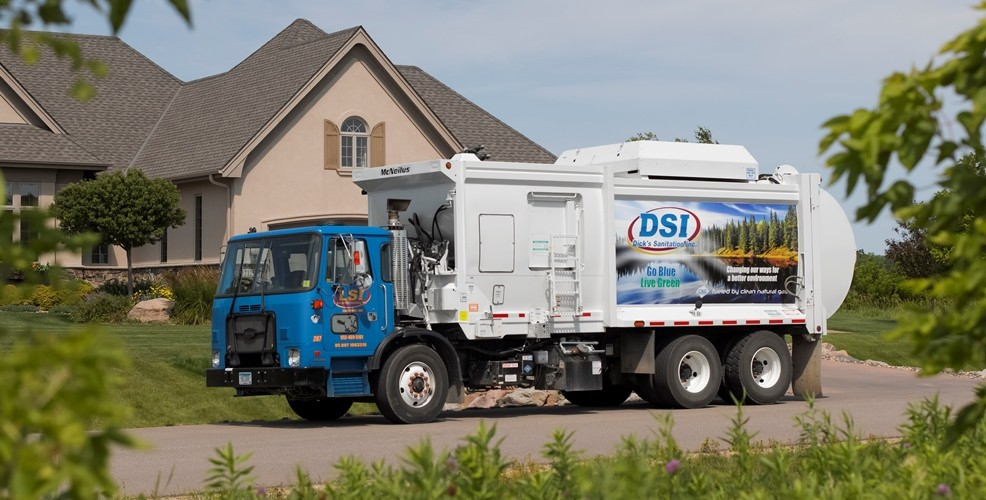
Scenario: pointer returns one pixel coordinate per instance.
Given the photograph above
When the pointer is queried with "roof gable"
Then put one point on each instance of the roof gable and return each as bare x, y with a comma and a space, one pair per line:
129, 100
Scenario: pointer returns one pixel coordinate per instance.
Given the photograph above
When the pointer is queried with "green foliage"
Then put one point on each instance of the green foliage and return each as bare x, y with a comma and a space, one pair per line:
905, 127
19, 308
831, 461
52, 388
875, 282
125, 208
702, 136
193, 290
23, 14
229, 477
102, 308
44, 297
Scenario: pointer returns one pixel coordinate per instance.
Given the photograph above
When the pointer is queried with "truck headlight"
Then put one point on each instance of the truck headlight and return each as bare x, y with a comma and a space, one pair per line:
215, 358
294, 357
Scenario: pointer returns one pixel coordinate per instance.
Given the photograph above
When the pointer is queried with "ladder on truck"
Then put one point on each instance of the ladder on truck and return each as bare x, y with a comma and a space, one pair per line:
565, 276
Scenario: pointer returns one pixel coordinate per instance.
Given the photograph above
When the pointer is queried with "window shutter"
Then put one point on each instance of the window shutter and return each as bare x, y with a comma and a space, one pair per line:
331, 146
378, 145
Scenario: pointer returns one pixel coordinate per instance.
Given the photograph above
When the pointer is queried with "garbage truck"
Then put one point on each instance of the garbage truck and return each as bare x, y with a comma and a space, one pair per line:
675, 270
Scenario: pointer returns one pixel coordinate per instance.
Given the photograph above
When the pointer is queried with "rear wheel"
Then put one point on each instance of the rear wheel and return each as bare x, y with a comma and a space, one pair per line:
609, 395
412, 385
758, 368
321, 409
687, 372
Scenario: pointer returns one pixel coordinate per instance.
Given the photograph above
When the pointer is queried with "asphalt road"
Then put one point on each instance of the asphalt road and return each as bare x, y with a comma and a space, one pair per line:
175, 459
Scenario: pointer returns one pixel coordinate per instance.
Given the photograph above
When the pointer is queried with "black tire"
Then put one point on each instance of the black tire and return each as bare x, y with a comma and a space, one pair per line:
723, 348
644, 386
758, 369
610, 395
412, 385
687, 372
320, 410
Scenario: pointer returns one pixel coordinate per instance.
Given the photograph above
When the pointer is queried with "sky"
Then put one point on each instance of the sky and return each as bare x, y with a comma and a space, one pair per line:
577, 73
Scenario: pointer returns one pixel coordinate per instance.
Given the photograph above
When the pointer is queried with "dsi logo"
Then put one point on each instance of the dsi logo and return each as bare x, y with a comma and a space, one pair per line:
663, 229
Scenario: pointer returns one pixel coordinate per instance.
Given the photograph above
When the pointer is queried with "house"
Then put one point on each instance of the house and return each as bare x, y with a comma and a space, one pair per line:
271, 143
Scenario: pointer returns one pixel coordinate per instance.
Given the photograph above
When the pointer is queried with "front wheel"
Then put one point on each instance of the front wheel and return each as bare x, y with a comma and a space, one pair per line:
687, 372
412, 385
321, 409
758, 368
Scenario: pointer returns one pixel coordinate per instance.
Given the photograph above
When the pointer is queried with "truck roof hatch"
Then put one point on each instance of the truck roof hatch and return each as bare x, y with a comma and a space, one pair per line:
680, 160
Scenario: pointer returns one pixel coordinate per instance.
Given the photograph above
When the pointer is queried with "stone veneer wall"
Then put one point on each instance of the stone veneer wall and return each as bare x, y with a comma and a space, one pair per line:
96, 276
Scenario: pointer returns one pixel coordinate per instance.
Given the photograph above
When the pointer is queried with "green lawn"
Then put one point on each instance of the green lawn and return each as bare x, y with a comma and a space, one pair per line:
165, 384
863, 334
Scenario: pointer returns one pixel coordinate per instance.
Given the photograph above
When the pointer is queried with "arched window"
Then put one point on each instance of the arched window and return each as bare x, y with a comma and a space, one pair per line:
355, 143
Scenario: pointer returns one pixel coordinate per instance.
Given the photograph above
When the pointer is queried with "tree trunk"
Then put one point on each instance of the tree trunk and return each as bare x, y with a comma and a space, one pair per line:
130, 273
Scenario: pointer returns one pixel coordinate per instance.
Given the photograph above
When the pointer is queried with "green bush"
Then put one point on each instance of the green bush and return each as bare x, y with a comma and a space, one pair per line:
119, 287
100, 307
193, 289
9, 294
44, 297
62, 309
19, 308
830, 461
72, 292
53, 387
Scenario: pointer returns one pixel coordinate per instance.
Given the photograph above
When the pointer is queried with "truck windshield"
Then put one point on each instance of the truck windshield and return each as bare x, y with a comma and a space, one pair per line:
270, 265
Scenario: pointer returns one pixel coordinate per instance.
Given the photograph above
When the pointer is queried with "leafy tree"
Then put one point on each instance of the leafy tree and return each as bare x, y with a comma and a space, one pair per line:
24, 14
908, 125
915, 256
702, 136
125, 207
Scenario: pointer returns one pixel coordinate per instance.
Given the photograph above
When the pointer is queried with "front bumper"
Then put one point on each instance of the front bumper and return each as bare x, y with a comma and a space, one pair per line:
254, 378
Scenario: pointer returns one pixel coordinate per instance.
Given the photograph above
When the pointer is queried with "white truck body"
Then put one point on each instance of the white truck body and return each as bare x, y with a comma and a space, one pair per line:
641, 234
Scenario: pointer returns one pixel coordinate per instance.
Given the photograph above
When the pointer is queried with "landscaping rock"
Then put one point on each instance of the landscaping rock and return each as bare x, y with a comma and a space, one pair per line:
524, 397
152, 311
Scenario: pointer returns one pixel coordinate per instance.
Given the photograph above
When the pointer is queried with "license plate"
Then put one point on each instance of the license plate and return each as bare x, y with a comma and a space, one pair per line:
246, 378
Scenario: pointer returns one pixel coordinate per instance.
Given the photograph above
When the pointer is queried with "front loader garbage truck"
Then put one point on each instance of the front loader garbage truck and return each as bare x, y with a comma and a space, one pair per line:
675, 270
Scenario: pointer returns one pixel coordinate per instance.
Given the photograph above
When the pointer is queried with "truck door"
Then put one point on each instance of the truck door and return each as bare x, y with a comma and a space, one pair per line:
358, 314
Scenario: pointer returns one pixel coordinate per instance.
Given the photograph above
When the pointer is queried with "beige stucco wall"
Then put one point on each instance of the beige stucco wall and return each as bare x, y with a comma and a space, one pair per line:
181, 240
285, 179
7, 112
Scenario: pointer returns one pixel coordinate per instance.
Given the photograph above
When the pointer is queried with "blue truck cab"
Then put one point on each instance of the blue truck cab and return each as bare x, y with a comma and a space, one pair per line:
300, 312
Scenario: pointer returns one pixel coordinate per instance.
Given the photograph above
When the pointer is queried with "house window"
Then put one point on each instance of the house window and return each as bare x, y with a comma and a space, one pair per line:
30, 193
100, 254
8, 194
355, 143
164, 246
198, 227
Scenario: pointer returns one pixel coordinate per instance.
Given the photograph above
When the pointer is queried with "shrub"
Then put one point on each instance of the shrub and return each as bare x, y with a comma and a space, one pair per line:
9, 294
72, 292
62, 309
119, 287
19, 308
44, 297
194, 289
102, 307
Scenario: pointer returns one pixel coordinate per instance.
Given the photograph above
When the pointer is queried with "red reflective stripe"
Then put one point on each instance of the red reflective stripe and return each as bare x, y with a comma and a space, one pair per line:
798, 321
522, 315
501, 315
776, 321
681, 323
586, 314
753, 321
656, 323
704, 323
729, 321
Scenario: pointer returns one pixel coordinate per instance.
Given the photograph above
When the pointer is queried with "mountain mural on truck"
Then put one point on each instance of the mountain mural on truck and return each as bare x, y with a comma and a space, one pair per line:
680, 252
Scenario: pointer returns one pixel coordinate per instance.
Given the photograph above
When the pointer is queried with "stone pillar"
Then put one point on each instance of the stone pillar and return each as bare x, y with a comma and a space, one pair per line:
806, 354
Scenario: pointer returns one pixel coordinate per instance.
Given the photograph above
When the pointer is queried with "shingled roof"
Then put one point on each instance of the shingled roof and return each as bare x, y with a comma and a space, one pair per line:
144, 117
113, 125
27, 144
213, 118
